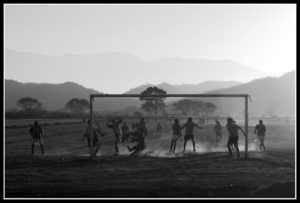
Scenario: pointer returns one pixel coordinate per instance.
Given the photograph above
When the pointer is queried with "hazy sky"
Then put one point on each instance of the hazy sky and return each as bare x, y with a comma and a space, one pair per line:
261, 36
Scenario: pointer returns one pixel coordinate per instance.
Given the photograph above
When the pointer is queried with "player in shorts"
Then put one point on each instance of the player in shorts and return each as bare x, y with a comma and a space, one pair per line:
176, 135
233, 149
189, 132
96, 133
115, 126
218, 132
260, 130
36, 132
233, 136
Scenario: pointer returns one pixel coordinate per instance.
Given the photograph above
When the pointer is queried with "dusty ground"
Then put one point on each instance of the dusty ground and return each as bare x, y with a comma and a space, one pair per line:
66, 171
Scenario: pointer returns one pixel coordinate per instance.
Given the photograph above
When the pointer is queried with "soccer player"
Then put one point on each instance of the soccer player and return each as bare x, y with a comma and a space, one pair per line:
233, 136
115, 126
96, 132
189, 132
176, 135
125, 132
233, 149
218, 132
260, 129
139, 137
36, 132
158, 130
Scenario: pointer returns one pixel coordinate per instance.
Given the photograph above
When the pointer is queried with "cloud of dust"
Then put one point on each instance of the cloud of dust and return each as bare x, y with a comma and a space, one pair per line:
160, 148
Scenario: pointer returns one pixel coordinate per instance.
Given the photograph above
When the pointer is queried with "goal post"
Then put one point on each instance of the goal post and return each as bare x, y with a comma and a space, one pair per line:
245, 96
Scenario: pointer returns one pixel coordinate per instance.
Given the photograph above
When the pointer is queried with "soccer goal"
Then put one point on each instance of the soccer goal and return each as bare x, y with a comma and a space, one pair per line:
205, 109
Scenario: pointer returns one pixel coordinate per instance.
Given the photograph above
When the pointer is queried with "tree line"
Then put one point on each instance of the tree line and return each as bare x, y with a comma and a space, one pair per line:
28, 107
156, 104
153, 104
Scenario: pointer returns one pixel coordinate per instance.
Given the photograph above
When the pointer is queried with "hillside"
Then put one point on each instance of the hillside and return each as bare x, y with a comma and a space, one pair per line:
186, 88
270, 95
52, 96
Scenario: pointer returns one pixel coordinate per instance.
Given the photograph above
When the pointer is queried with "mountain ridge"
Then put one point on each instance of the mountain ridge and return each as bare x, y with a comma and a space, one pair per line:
104, 70
269, 95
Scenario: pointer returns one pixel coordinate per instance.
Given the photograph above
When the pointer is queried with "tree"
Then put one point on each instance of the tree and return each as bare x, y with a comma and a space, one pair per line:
197, 106
209, 107
184, 106
77, 105
29, 104
148, 108
155, 103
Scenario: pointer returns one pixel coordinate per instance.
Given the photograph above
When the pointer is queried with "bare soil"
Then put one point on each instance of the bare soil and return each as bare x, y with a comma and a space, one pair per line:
204, 174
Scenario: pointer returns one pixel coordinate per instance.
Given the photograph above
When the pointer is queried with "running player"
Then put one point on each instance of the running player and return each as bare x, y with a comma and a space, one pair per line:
233, 136
96, 133
218, 132
176, 135
114, 124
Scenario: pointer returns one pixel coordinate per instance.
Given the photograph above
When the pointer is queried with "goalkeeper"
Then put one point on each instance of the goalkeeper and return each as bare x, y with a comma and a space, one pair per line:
138, 136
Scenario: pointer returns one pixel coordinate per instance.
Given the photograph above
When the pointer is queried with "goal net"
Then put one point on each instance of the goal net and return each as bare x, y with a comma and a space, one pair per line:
109, 113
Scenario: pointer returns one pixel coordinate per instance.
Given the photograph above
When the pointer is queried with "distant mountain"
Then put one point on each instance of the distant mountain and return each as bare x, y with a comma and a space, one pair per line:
270, 95
186, 88
107, 70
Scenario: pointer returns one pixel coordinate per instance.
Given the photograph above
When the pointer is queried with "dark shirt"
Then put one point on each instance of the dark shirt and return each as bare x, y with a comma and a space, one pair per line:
36, 132
233, 129
189, 128
176, 129
261, 129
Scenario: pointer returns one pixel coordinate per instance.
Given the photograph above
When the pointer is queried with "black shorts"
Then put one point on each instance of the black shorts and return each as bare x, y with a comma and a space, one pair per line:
188, 137
233, 140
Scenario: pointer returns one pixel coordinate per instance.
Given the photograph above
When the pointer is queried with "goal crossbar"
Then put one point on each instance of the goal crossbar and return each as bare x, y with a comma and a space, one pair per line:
245, 96
170, 95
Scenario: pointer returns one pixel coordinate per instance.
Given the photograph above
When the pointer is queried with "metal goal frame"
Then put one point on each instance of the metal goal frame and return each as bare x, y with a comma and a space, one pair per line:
245, 96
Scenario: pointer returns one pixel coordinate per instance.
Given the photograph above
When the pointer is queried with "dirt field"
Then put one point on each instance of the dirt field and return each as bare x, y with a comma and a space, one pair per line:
67, 171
